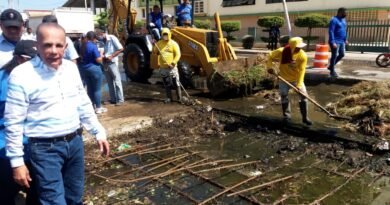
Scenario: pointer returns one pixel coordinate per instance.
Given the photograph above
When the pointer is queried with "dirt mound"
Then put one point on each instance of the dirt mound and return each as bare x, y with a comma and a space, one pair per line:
368, 104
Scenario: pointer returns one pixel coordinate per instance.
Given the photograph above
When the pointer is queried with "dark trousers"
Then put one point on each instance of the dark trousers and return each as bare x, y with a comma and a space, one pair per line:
337, 54
59, 171
273, 43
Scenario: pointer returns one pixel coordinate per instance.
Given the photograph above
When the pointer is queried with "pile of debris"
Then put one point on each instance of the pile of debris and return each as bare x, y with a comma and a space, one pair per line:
255, 74
368, 104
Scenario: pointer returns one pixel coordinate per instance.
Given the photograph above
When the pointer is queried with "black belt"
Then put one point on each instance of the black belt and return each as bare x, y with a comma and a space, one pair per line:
67, 138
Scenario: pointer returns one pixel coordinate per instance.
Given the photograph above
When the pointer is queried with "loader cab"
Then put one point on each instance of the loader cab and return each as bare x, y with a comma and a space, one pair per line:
139, 46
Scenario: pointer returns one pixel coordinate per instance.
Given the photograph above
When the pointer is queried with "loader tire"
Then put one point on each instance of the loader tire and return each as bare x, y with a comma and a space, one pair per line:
185, 73
136, 64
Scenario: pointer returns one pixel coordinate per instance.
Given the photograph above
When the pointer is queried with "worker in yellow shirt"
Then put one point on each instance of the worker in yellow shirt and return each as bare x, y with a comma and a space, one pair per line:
169, 54
293, 60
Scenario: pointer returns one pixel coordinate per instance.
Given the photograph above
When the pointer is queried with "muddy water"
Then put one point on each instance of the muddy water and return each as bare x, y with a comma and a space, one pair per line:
316, 169
313, 175
313, 179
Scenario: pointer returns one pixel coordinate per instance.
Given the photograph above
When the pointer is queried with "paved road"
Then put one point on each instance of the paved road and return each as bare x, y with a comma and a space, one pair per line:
355, 65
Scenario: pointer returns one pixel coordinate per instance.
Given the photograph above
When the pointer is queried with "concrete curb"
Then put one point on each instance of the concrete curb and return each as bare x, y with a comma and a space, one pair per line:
317, 132
349, 59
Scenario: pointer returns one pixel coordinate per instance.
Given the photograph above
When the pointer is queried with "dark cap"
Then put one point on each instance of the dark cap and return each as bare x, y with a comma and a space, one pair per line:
11, 17
49, 19
26, 48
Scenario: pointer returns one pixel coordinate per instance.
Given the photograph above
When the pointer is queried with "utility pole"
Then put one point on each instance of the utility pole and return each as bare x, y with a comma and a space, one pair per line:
86, 5
92, 4
287, 17
10, 4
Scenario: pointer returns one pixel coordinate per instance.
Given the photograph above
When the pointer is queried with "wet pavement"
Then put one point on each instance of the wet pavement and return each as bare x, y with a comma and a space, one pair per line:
355, 65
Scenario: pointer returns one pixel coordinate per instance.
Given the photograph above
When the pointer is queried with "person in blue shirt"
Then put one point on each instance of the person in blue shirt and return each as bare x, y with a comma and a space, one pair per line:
156, 22
11, 23
337, 39
24, 51
183, 13
91, 71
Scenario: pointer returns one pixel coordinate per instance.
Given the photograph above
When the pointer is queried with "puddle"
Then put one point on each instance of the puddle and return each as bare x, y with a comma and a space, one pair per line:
309, 172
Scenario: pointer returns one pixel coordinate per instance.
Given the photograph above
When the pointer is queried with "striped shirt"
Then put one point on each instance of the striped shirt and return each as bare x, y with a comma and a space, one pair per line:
44, 102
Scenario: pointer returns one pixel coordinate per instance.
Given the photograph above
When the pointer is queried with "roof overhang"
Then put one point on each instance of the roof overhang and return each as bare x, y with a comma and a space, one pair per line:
81, 3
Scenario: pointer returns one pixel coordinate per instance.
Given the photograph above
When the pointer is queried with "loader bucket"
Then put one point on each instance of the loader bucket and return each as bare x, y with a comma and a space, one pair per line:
236, 77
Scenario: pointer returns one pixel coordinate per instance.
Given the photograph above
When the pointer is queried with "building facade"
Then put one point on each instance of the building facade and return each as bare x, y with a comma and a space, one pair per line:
247, 12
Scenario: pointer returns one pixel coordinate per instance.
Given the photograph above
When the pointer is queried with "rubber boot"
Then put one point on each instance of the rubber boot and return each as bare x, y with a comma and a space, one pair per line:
178, 94
304, 107
167, 90
286, 112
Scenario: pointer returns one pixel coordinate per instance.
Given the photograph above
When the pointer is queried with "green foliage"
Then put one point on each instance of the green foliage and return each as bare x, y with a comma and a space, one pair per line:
248, 41
139, 24
253, 75
229, 27
204, 24
312, 21
102, 20
268, 21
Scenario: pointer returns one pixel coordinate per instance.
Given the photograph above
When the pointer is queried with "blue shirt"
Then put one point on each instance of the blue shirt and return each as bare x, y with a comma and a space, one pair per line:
183, 12
46, 102
111, 45
90, 54
6, 50
156, 19
337, 30
3, 96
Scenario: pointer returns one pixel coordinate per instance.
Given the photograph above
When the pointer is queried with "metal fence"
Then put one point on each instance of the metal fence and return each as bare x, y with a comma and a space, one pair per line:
369, 36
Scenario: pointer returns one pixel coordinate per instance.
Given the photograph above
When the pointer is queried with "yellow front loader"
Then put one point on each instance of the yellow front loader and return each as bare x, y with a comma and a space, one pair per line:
206, 56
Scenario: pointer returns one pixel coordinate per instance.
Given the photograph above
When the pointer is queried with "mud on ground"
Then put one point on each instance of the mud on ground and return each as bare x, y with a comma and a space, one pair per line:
200, 126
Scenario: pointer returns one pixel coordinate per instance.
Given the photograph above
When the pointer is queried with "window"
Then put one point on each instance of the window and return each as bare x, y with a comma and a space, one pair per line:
229, 3
280, 1
199, 6
143, 13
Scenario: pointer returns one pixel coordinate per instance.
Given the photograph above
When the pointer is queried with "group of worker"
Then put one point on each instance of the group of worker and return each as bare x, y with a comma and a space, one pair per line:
158, 20
167, 49
94, 62
43, 102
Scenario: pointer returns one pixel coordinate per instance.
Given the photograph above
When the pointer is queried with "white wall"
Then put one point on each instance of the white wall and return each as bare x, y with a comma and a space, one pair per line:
262, 7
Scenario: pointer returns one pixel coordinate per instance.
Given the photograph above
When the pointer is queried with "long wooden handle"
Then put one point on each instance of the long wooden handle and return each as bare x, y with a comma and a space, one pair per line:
304, 95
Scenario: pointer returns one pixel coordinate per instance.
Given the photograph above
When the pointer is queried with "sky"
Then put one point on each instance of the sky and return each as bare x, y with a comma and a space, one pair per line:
32, 4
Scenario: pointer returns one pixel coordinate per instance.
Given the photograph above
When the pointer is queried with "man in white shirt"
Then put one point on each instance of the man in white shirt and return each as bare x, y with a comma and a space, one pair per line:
70, 51
47, 102
112, 48
29, 35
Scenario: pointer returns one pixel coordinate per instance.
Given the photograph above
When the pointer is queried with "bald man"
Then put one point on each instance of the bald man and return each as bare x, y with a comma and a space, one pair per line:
47, 103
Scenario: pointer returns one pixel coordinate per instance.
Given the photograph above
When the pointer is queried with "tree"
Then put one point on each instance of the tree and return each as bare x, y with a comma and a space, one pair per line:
102, 20
229, 27
268, 21
312, 21
205, 24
